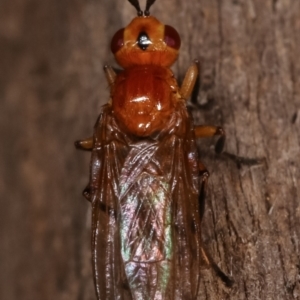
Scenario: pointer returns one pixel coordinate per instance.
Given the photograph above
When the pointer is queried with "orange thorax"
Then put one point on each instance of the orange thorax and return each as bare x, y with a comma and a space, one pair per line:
143, 98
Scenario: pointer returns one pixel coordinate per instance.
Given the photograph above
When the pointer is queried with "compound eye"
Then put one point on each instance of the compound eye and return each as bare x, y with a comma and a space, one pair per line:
117, 41
172, 38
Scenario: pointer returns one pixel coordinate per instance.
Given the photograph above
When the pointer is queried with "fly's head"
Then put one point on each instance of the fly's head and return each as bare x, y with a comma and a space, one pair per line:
145, 41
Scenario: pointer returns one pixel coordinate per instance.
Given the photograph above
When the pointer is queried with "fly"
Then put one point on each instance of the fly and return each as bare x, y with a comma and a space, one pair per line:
147, 186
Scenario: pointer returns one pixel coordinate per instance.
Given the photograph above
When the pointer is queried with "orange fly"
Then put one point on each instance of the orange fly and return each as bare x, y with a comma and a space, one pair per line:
147, 186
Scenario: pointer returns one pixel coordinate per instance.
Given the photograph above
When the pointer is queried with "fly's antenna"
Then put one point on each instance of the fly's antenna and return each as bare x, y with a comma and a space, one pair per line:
136, 4
148, 5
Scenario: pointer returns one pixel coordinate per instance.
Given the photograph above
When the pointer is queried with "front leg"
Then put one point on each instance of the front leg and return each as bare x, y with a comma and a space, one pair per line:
87, 144
110, 75
189, 80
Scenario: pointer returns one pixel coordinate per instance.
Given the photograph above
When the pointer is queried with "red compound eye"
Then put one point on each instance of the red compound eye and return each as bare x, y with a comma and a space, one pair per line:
117, 41
172, 38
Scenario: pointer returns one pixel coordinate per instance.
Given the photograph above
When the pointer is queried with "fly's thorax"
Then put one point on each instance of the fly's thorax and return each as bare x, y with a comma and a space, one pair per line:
144, 99
146, 41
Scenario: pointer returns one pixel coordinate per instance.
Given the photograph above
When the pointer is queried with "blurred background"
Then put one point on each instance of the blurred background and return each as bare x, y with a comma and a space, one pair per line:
51, 89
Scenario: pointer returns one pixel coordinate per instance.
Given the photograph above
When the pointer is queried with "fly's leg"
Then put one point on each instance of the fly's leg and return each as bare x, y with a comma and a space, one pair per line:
187, 87
110, 75
87, 193
202, 131
210, 262
86, 144
244, 161
204, 175
191, 85
189, 80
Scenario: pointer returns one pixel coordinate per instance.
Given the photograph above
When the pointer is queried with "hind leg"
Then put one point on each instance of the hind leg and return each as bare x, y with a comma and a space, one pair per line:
204, 175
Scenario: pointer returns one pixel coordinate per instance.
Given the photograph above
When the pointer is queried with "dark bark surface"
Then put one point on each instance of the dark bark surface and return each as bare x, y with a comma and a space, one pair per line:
51, 88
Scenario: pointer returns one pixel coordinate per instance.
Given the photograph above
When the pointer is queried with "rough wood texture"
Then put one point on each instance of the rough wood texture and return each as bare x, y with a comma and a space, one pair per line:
51, 88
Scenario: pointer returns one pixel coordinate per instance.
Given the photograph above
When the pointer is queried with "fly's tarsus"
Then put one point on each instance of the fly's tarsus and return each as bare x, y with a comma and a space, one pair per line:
210, 262
245, 161
87, 193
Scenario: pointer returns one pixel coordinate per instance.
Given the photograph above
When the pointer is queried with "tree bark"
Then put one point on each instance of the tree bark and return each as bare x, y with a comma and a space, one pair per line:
52, 87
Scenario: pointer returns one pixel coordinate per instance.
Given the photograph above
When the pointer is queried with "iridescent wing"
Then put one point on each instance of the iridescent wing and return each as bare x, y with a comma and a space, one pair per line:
108, 155
146, 228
